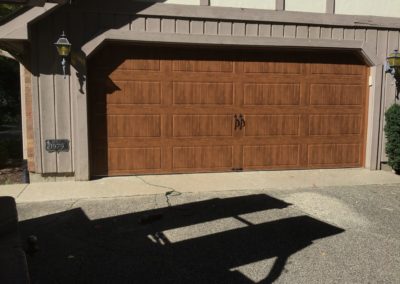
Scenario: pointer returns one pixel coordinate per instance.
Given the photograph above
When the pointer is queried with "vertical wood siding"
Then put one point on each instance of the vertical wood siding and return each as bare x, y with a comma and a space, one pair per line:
55, 98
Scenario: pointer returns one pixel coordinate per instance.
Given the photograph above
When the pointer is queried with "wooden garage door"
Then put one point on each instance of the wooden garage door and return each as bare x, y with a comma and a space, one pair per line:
170, 110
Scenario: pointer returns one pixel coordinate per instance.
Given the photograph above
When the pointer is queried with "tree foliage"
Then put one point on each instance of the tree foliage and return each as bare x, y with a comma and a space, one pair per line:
9, 80
9, 92
7, 9
392, 131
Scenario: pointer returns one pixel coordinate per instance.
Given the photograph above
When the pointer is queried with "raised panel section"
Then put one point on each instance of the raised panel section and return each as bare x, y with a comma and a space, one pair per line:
131, 159
271, 94
134, 125
272, 67
334, 154
271, 155
207, 157
340, 124
327, 94
337, 69
272, 125
202, 125
202, 66
140, 64
131, 92
192, 93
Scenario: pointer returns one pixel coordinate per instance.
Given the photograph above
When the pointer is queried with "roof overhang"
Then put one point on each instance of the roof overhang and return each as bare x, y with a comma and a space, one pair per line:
17, 27
6, 54
142, 37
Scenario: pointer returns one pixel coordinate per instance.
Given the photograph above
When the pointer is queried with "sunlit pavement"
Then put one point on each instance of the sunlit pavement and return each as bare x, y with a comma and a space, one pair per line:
341, 234
115, 187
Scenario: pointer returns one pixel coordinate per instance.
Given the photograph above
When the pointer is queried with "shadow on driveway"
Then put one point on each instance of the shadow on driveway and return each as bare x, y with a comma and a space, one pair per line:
135, 248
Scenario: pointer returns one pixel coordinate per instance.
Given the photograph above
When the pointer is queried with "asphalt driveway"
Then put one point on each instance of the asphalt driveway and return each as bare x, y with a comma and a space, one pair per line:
309, 235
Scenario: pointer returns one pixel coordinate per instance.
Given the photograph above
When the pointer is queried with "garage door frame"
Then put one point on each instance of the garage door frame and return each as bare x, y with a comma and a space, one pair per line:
371, 155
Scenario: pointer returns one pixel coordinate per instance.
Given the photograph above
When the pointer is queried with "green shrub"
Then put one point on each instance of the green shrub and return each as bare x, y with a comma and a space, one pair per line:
392, 131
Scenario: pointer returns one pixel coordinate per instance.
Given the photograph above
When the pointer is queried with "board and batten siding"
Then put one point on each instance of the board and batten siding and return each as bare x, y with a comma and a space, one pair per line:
60, 104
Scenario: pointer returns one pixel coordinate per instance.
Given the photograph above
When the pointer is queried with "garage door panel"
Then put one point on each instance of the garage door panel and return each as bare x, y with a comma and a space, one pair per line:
134, 159
334, 155
339, 124
136, 92
272, 67
140, 64
339, 69
263, 78
170, 142
203, 93
203, 157
339, 94
271, 94
272, 125
134, 125
288, 110
270, 156
130, 75
202, 66
304, 140
204, 141
165, 110
145, 65
202, 125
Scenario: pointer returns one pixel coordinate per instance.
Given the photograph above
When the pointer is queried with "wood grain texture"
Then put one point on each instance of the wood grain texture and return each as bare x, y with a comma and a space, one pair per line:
169, 110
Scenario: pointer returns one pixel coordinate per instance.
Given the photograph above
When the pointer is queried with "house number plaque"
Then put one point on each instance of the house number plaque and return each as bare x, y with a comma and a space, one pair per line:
57, 145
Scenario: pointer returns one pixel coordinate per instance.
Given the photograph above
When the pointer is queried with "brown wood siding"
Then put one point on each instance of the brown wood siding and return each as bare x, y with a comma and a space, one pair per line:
167, 110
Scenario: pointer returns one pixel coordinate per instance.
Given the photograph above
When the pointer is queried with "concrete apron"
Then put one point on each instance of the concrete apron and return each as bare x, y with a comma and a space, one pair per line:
189, 183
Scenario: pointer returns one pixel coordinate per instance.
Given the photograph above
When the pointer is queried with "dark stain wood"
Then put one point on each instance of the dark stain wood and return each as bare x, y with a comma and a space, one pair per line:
172, 110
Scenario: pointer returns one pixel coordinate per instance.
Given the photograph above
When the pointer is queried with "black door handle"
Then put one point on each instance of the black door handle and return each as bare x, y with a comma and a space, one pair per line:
242, 122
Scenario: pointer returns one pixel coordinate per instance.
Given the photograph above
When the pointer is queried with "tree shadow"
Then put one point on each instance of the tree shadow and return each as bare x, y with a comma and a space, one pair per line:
174, 244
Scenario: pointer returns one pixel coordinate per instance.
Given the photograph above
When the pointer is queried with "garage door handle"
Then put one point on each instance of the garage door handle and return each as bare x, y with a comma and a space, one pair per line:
242, 122
237, 122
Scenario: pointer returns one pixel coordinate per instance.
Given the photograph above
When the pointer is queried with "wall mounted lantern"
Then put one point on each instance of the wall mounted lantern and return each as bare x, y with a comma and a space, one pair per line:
393, 61
64, 49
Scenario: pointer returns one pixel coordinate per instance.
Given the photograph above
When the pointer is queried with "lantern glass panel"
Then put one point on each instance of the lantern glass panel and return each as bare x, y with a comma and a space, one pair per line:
63, 50
394, 59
